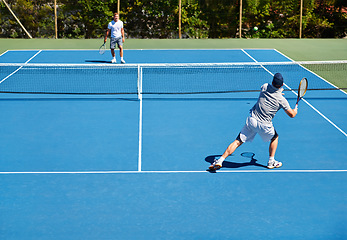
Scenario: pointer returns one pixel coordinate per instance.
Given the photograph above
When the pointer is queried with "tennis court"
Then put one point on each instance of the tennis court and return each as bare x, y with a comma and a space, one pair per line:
91, 150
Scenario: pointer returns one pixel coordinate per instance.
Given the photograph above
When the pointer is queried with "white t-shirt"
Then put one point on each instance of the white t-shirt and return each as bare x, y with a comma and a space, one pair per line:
269, 102
116, 28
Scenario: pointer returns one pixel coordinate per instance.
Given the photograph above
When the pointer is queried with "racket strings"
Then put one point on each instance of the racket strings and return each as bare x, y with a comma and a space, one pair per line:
302, 87
102, 49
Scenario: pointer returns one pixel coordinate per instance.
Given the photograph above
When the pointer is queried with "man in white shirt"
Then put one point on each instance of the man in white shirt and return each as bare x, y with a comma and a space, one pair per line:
259, 122
117, 37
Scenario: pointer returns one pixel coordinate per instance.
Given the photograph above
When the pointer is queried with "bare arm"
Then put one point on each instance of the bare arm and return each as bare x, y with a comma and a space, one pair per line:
122, 31
292, 112
107, 33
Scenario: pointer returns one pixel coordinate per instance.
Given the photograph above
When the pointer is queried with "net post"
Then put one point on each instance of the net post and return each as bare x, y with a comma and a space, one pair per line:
139, 82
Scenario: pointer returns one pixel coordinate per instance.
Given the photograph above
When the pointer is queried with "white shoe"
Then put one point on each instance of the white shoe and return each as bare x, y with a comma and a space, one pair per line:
274, 164
113, 60
216, 165
122, 61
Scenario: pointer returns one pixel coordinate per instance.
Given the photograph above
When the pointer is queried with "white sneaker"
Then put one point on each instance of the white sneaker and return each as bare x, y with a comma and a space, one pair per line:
274, 164
216, 165
113, 60
122, 61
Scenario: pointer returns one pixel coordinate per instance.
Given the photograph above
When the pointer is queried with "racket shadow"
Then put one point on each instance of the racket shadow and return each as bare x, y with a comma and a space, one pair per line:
227, 164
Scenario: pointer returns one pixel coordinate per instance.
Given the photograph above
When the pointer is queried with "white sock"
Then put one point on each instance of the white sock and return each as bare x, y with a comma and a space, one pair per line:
121, 58
221, 159
271, 159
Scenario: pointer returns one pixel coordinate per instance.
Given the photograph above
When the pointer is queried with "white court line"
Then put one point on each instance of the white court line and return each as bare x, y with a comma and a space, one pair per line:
139, 79
325, 118
148, 49
20, 67
173, 172
315, 109
314, 72
4, 53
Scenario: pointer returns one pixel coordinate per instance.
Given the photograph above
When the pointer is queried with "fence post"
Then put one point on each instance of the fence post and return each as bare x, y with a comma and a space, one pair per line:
240, 22
300, 33
179, 18
118, 7
55, 19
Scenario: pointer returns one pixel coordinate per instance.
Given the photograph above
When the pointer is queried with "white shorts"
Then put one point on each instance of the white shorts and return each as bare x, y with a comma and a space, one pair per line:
265, 130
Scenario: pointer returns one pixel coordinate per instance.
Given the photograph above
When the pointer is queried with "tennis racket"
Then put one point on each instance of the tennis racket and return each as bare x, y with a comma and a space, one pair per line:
302, 89
102, 49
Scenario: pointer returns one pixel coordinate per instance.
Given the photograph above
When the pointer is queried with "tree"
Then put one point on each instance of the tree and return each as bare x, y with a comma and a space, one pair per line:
150, 19
221, 16
159, 18
84, 18
193, 23
36, 16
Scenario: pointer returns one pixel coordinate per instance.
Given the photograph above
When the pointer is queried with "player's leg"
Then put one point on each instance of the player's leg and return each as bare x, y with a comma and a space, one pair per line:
121, 54
217, 164
112, 47
230, 149
120, 46
272, 151
268, 133
121, 51
273, 146
247, 134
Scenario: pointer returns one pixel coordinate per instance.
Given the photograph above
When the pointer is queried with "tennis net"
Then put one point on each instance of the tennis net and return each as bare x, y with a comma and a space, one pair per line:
167, 78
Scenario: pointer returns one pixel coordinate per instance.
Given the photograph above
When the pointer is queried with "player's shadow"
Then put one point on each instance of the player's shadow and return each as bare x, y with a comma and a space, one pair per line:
98, 61
226, 164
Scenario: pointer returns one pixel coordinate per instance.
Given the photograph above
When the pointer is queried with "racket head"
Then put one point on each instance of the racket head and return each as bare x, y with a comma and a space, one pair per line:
302, 88
102, 49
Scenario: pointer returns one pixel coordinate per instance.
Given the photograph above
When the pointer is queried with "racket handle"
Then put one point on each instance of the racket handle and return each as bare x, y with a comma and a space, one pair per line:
296, 106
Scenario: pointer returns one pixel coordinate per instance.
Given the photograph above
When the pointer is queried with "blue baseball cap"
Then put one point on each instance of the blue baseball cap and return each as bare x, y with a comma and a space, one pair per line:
277, 80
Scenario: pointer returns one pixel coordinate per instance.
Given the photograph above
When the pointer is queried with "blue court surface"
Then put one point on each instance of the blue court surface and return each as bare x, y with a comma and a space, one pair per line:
133, 166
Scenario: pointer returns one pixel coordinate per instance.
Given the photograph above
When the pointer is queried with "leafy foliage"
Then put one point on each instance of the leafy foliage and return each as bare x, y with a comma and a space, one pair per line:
159, 19
150, 19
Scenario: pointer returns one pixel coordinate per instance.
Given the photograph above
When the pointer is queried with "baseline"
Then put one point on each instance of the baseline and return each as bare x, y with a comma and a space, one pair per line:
201, 171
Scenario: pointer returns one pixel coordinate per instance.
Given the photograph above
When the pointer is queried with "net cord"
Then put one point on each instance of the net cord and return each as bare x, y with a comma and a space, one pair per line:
141, 66
176, 64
